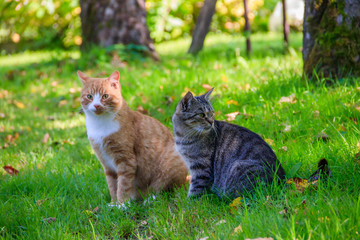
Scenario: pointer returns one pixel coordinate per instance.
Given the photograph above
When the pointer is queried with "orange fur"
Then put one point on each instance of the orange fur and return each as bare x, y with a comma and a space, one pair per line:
143, 150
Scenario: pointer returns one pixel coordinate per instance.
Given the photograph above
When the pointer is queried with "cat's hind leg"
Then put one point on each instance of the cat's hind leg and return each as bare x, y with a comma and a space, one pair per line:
244, 176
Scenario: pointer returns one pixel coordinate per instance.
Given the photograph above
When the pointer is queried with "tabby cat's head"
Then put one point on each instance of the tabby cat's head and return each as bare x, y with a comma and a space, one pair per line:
100, 95
195, 113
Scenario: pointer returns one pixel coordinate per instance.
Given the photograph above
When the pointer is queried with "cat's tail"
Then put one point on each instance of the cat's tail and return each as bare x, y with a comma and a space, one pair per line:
323, 171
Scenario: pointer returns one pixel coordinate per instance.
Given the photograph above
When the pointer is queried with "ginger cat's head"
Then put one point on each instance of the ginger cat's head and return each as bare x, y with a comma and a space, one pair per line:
100, 95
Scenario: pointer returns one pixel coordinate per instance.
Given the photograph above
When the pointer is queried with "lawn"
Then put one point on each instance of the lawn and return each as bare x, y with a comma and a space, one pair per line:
60, 191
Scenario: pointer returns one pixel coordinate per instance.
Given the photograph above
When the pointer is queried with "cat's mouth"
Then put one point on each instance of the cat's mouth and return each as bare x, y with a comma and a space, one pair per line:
99, 111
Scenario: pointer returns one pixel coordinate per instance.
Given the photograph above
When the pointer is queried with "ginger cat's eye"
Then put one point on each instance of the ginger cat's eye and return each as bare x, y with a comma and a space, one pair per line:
89, 96
105, 96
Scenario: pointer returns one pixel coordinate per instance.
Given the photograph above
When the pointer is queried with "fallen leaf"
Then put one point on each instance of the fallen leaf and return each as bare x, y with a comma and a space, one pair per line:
96, 209
204, 238
19, 104
10, 170
45, 139
2, 115
224, 78
290, 99
284, 148
233, 102
235, 205
269, 141
231, 116
49, 219
41, 201
62, 103
207, 87
160, 110
301, 184
238, 229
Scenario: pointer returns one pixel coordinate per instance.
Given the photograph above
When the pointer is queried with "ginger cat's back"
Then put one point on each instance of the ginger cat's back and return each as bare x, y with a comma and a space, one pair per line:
137, 152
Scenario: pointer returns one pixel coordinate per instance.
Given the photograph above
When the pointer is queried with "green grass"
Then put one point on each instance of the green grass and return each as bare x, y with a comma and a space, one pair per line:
65, 173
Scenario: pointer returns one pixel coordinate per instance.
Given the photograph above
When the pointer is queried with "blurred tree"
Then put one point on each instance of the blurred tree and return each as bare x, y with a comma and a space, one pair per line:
202, 26
247, 28
286, 28
108, 22
331, 44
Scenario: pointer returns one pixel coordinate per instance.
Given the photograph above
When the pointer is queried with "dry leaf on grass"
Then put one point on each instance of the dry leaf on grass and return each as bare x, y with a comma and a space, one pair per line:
236, 204
269, 141
290, 99
204, 238
45, 139
301, 184
238, 229
233, 102
10, 170
41, 201
231, 116
19, 104
207, 87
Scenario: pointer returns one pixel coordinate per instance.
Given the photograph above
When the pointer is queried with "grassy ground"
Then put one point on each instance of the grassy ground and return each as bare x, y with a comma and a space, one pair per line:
61, 193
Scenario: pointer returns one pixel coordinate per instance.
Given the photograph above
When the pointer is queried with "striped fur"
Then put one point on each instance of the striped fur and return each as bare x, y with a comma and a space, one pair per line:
222, 157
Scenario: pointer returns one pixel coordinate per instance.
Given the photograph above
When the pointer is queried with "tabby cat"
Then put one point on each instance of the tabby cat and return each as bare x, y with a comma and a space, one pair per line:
136, 151
222, 157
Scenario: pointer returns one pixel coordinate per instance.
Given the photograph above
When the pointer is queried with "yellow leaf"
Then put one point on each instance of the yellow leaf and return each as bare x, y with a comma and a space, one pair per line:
224, 78
19, 104
236, 204
290, 99
232, 102
301, 184
238, 229
269, 141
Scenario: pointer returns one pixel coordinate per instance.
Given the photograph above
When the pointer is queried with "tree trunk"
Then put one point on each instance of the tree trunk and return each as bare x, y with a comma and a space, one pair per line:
285, 25
202, 26
247, 28
107, 22
331, 44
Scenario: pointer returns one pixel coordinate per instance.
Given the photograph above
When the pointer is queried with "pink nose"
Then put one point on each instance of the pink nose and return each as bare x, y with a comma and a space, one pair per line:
96, 106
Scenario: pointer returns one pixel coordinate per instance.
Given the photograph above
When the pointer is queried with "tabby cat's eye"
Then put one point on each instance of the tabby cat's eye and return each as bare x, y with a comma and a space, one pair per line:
105, 96
89, 96
202, 115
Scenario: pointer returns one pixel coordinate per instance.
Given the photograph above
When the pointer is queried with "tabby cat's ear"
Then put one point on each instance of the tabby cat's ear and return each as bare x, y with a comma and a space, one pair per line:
82, 76
114, 79
185, 102
207, 95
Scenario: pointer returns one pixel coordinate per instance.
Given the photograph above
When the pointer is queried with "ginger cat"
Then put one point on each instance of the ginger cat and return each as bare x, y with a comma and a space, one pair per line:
136, 151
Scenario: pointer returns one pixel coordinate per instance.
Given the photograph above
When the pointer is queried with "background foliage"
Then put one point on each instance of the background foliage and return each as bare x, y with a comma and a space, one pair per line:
38, 24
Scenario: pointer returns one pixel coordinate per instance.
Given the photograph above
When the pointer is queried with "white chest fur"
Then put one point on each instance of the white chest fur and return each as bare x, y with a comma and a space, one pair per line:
98, 128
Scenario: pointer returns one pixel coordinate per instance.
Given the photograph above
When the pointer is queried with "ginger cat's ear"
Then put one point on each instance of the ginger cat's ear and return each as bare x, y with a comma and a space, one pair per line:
82, 76
114, 79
